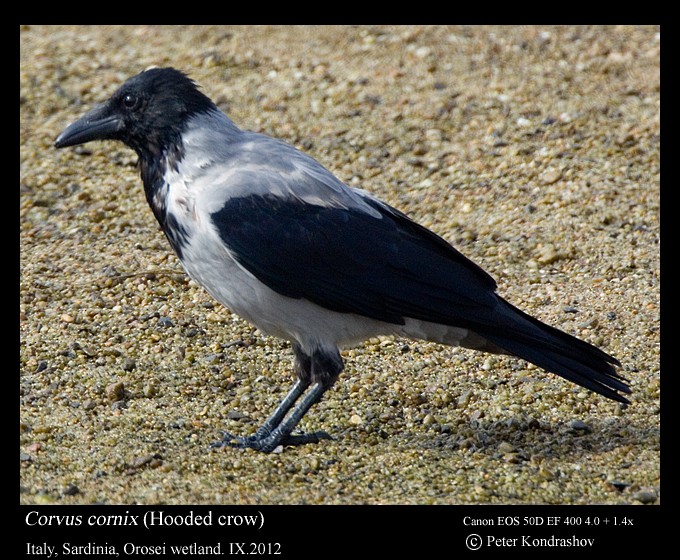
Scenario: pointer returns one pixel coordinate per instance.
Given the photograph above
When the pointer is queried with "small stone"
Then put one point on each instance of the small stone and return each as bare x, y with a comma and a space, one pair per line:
115, 391
506, 447
551, 176
464, 398
512, 458
422, 52
546, 474
89, 404
150, 459
618, 484
356, 420
71, 490
66, 318
547, 254
214, 317
88, 351
476, 415
589, 324
214, 358
129, 364
236, 415
579, 426
489, 363
646, 496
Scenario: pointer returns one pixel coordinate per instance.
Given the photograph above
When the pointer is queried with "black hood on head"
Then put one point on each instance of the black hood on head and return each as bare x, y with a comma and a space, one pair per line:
148, 113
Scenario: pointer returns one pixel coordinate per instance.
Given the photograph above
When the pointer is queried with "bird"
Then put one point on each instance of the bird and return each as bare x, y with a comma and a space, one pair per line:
278, 239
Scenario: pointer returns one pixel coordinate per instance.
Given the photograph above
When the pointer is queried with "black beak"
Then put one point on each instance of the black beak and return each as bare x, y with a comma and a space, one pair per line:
98, 124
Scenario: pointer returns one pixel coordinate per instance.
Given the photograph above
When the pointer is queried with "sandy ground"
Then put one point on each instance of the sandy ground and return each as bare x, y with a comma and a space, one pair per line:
534, 150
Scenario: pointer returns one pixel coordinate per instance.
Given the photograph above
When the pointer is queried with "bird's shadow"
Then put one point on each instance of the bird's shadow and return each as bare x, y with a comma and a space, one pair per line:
527, 438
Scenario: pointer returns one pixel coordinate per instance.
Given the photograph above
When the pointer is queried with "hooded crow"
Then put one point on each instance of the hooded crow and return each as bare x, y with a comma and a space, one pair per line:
274, 236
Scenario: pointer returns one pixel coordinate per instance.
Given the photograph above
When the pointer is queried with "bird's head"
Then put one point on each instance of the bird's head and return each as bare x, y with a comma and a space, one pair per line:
148, 113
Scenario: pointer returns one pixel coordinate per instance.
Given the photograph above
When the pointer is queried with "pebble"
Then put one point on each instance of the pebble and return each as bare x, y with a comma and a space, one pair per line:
115, 391
546, 474
464, 399
506, 447
646, 496
151, 459
618, 484
547, 254
71, 490
512, 458
489, 363
150, 389
129, 364
551, 176
356, 420
579, 426
589, 324
236, 415
89, 404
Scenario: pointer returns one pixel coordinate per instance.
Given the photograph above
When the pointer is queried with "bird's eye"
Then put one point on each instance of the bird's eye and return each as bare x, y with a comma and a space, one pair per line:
130, 101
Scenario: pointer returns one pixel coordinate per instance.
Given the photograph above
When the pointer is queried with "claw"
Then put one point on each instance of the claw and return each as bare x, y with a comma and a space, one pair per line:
268, 442
277, 429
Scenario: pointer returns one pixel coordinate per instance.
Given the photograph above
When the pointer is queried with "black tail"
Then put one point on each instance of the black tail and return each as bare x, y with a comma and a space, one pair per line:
558, 352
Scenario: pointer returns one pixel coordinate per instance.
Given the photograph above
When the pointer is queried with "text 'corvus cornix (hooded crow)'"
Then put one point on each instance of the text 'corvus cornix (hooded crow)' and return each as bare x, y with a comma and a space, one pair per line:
278, 239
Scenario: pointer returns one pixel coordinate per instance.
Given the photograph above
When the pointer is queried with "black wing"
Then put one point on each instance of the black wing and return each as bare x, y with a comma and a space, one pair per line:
381, 265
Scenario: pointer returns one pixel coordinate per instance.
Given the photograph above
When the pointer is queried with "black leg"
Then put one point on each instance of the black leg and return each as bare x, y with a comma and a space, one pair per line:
282, 409
320, 371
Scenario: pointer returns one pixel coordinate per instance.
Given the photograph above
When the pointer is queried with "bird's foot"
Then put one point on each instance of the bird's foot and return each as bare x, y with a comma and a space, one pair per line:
267, 441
